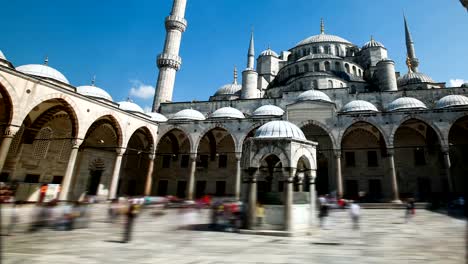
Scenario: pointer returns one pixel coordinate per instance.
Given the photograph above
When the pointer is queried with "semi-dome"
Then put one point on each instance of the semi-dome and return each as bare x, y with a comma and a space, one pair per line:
269, 52
404, 103
414, 78
372, 44
359, 106
130, 106
452, 101
42, 71
319, 56
268, 110
2, 56
322, 38
157, 117
313, 95
93, 91
227, 112
280, 129
188, 114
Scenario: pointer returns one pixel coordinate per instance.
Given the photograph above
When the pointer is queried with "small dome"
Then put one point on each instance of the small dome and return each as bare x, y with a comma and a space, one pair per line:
372, 44
320, 56
93, 91
322, 38
2, 56
414, 78
42, 71
157, 117
452, 101
404, 103
130, 106
268, 110
188, 114
269, 52
227, 112
229, 89
465, 85
280, 129
313, 95
359, 106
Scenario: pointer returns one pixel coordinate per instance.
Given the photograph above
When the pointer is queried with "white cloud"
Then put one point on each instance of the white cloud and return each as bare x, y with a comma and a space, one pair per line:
141, 90
457, 82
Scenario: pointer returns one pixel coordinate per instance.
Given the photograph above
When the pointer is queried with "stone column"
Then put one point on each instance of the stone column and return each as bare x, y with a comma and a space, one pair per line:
8, 136
191, 179
288, 199
447, 165
392, 172
339, 176
252, 213
67, 179
313, 199
237, 190
116, 174
149, 175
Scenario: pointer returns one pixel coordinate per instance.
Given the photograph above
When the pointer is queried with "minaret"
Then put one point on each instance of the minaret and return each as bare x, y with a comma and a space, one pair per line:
249, 75
169, 61
411, 54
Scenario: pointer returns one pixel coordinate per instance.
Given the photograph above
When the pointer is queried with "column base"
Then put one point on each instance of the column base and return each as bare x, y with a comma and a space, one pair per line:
396, 201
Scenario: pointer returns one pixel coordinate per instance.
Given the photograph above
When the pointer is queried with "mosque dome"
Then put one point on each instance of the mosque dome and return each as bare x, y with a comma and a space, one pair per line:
227, 112
280, 129
319, 56
268, 110
322, 38
42, 71
405, 103
414, 78
188, 114
269, 52
372, 44
130, 106
313, 95
359, 106
157, 117
2, 56
231, 88
93, 91
452, 101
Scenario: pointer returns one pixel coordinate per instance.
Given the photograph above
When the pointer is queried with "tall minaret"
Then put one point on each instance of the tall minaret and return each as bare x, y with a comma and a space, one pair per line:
169, 61
411, 54
249, 75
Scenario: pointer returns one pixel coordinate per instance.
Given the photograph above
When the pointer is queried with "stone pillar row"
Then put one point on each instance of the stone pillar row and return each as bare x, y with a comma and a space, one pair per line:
7, 138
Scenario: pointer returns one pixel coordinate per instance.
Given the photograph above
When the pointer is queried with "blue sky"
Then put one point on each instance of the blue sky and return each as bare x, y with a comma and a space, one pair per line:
118, 41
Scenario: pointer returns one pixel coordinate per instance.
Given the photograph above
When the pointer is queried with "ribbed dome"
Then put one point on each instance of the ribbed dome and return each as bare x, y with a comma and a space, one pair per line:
93, 91
322, 38
157, 117
269, 52
280, 129
227, 112
268, 110
319, 56
452, 101
130, 106
414, 78
313, 95
359, 106
42, 71
404, 103
229, 89
2, 56
372, 44
188, 114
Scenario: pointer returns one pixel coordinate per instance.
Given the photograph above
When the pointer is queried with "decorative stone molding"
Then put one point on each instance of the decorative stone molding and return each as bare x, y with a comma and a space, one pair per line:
120, 151
176, 23
10, 131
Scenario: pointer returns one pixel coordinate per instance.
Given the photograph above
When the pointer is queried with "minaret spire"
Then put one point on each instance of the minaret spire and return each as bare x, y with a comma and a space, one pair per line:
322, 26
410, 51
251, 54
169, 61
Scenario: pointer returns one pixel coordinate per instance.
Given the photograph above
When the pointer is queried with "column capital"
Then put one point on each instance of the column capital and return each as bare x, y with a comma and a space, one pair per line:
445, 149
151, 156
120, 151
337, 153
193, 156
390, 151
10, 131
238, 156
76, 143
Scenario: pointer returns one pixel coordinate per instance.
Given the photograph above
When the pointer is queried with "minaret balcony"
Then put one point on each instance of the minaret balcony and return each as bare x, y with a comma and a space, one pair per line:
176, 23
169, 60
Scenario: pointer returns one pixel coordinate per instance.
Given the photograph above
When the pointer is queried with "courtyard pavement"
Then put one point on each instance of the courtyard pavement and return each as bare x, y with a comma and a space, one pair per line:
383, 238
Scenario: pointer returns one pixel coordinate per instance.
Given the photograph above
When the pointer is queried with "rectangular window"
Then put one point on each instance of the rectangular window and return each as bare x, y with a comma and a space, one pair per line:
4, 177
57, 180
280, 186
162, 187
184, 161
372, 160
31, 178
222, 162
220, 188
419, 157
166, 162
181, 187
203, 161
350, 159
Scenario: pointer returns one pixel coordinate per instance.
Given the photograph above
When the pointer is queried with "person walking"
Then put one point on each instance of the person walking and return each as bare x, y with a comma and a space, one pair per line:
355, 212
260, 212
131, 215
323, 211
410, 210
13, 218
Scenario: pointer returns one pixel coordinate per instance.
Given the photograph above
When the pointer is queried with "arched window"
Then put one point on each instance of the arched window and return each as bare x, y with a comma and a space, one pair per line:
306, 67
297, 69
308, 51
337, 51
354, 70
41, 143
337, 66
360, 72
327, 50
314, 50
289, 72
316, 66
330, 84
301, 86
327, 66
315, 84
347, 67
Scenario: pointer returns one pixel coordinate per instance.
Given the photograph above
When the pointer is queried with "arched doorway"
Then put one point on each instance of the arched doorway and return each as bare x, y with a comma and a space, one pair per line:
216, 163
364, 152
270, 182
325, 183
458, 142
172, 164
419, 161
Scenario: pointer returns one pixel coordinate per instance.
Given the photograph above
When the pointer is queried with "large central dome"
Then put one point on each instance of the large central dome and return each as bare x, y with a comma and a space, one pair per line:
322, 38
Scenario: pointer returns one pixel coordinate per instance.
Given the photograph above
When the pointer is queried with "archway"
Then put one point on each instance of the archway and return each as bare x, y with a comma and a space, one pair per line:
6, 108
364, 151
172, 163
458, 142
419, 161
270, 182
216, 163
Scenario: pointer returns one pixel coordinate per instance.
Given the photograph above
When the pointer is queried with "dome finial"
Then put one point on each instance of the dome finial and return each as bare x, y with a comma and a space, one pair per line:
235, 74
46, 60
129, 99
93, 81
322, 26
371, 38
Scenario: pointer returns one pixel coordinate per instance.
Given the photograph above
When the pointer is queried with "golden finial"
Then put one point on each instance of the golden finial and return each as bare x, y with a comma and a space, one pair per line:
408, 63
235, 74
322, 26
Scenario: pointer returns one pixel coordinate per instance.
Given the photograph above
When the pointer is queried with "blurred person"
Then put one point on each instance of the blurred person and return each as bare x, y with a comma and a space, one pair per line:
355, 213
113, 210
260, 212
14, 218
131, 215
323, 211
410, 209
